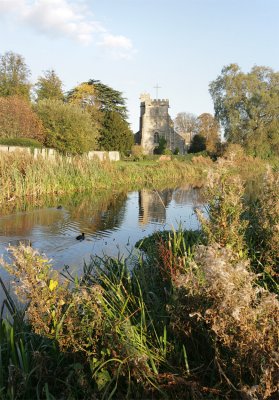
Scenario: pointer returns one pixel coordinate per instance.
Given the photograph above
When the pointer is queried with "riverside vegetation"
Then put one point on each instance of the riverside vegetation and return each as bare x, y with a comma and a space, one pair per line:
22, 176
195, 316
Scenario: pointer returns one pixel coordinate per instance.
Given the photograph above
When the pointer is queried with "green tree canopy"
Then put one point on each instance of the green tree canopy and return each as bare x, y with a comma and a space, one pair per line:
247, 106
49, 86
69, 128
101, 96
14, 75
18, 120
115, 133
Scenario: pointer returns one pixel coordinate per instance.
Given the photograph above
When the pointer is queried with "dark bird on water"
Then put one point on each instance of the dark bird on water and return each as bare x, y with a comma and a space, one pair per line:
59, 207
80, 237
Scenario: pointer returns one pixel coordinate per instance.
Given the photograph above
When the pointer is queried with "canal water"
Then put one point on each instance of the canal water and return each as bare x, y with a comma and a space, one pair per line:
112, 223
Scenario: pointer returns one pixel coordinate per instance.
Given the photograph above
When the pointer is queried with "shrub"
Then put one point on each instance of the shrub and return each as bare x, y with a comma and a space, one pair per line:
69, 128
263, 230
137, 152
225, 224
233, 152
218, 304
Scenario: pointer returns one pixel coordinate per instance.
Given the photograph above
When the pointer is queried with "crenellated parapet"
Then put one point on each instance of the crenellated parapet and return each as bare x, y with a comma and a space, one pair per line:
160, 102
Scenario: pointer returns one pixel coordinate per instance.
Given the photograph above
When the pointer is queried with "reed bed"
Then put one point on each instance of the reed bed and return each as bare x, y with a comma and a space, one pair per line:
23, 176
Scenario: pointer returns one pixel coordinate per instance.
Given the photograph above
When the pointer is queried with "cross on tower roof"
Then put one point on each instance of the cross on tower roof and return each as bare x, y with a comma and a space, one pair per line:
157, 87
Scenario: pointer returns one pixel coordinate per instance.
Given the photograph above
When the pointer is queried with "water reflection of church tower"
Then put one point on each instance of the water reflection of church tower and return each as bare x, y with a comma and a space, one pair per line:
153, 204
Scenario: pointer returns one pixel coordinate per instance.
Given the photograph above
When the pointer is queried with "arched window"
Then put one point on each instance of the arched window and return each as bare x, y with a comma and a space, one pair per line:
156, 138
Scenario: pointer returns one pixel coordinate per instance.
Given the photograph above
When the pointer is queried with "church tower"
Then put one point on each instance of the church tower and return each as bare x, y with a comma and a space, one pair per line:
155, 123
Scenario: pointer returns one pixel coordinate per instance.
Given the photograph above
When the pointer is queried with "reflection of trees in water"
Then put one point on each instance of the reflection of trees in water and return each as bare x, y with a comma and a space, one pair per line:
153, 204
91, 212
115, 212
22, 223
95, 212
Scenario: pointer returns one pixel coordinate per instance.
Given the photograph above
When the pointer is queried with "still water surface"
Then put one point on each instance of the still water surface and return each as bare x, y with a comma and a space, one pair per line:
112, 223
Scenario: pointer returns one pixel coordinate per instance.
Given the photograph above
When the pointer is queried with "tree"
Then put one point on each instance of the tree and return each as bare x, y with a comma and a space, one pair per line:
198, 143
69, 128
115, 133
186, 125
102, 96
49, 86
208, 127
18, 120
247, 106
84, 95
14, 75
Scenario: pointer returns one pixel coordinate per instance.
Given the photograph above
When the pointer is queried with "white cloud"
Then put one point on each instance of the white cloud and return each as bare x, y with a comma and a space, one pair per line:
11, 5
118, 45
61, 17
119, 42
66, 18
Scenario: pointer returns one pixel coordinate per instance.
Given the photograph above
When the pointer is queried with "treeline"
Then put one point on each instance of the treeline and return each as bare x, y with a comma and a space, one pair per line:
91, 116
246, 109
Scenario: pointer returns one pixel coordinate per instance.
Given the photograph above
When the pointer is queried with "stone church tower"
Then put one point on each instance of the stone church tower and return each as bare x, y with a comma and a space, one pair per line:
156, 123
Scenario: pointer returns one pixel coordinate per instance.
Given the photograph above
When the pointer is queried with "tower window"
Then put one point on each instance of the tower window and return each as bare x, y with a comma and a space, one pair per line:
156, 138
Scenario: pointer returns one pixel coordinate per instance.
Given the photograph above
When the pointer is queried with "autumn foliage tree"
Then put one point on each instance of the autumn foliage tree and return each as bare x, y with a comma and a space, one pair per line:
18, 120
85, 96
208, 127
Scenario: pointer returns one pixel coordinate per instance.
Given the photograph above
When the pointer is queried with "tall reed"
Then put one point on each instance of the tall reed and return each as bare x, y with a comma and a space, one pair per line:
23, 176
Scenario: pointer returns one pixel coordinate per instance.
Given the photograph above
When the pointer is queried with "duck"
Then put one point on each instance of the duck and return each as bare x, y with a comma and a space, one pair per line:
80, 237
59, 207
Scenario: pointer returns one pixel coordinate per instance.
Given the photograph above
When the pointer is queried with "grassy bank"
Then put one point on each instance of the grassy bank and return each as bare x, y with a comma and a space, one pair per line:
196, 317
23, 176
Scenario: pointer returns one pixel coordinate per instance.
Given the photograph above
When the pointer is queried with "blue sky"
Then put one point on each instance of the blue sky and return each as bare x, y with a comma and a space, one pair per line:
131, 45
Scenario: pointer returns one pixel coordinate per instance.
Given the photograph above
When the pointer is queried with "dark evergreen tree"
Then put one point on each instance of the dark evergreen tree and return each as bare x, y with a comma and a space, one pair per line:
115, 133
102, 96
198, 144
110, 99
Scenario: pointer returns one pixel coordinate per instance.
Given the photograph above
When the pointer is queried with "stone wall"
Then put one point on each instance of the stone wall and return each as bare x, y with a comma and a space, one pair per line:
51, 154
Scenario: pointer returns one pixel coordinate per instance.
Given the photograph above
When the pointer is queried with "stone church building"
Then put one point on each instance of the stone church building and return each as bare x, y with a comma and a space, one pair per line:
156, 123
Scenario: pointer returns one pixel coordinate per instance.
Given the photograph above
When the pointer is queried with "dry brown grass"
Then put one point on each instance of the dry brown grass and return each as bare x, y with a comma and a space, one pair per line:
219, 298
